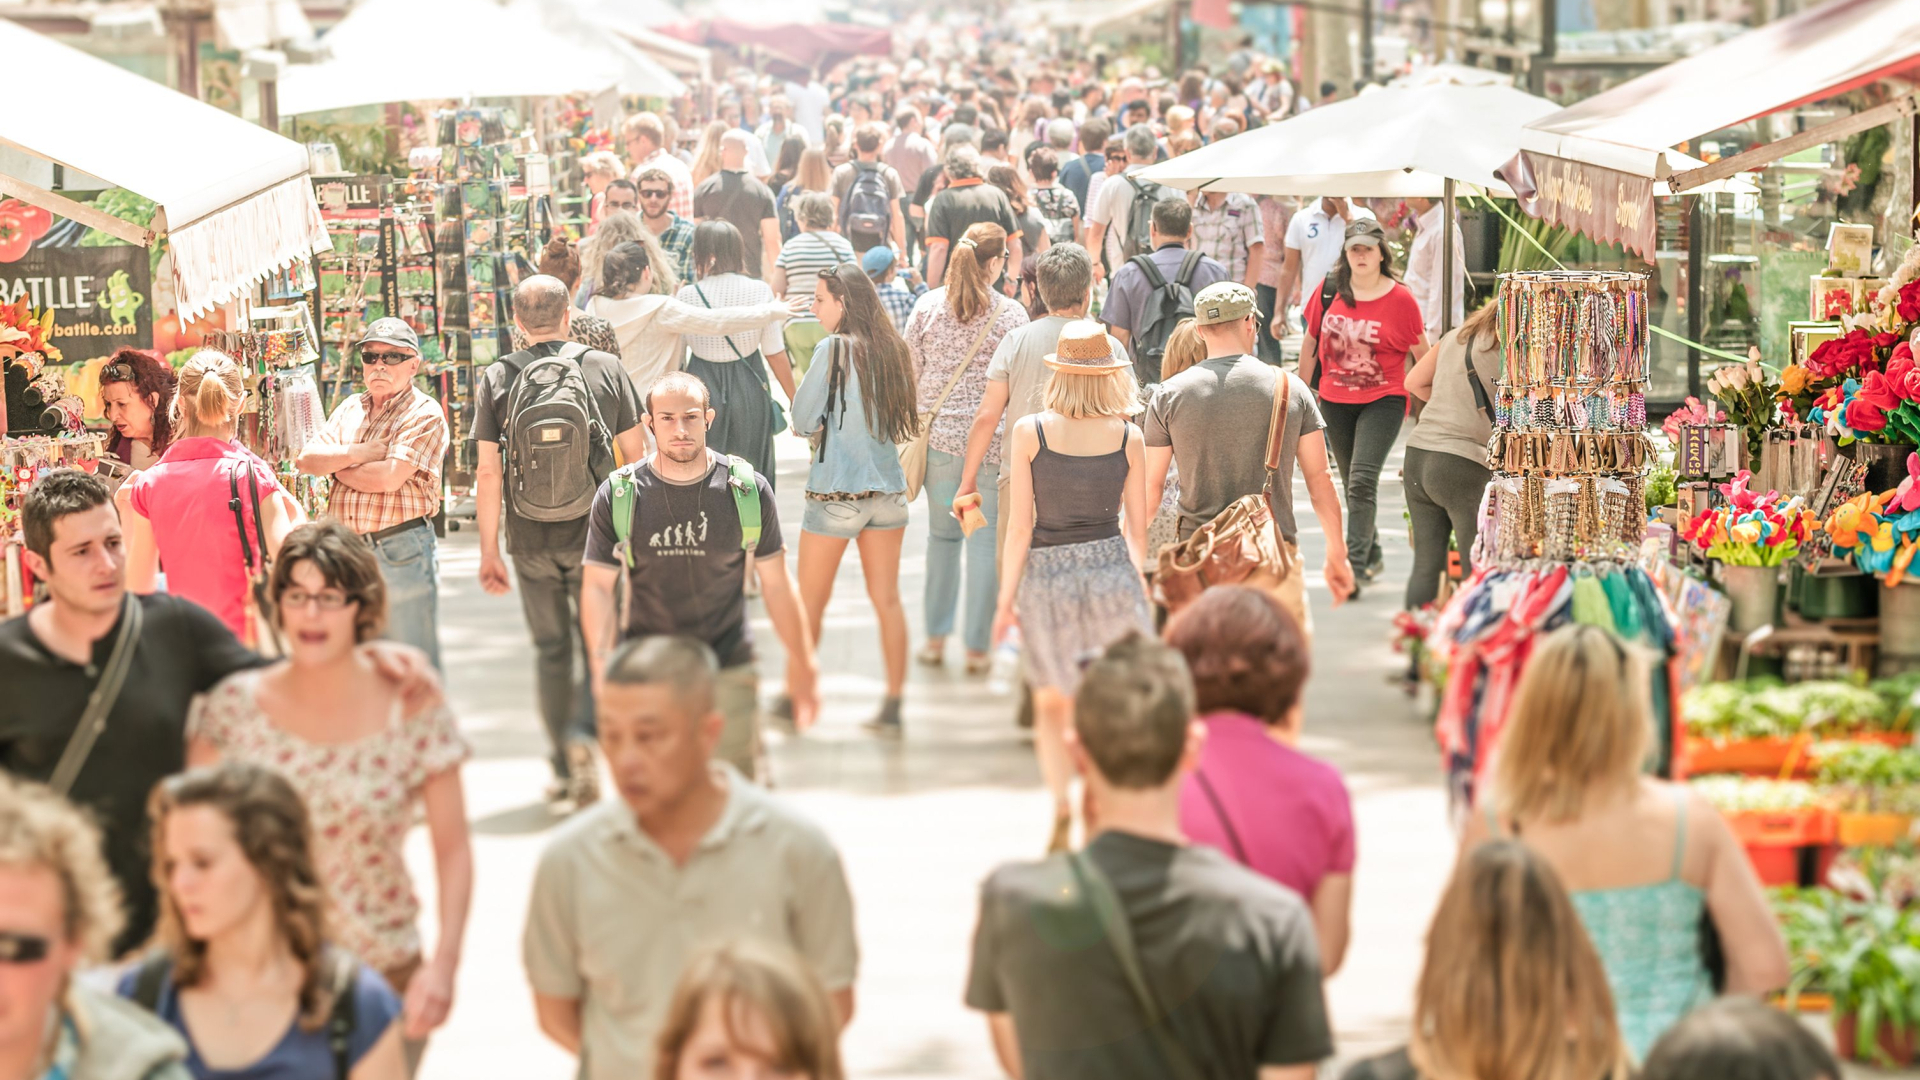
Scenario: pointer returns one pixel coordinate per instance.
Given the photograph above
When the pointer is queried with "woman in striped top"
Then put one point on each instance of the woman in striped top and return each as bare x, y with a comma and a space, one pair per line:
802, 260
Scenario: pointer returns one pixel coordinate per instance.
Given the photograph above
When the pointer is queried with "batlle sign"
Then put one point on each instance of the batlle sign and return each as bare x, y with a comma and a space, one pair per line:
101, 297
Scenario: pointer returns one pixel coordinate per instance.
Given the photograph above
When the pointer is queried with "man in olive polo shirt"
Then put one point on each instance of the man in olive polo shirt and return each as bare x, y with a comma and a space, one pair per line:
691, 855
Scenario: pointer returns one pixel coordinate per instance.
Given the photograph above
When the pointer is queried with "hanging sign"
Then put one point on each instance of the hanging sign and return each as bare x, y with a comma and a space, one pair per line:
101, 297
1609, 206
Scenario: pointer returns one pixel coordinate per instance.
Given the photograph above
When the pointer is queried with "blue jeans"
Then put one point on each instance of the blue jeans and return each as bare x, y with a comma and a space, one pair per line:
410, 562
944, 544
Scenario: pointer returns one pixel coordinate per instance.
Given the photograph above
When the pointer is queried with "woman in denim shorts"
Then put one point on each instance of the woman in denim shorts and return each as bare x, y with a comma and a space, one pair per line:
857, 404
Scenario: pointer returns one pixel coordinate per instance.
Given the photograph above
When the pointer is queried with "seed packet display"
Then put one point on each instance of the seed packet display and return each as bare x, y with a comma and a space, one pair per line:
480, 311
483, 234
486, 346
482, 271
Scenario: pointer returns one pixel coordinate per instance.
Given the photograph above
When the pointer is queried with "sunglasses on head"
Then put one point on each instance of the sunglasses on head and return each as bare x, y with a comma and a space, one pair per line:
18, 948
120, 372
384, 358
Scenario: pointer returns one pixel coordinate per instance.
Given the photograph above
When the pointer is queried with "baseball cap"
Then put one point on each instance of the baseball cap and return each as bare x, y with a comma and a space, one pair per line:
1223, 302
877, 260
391, 331
1364, 231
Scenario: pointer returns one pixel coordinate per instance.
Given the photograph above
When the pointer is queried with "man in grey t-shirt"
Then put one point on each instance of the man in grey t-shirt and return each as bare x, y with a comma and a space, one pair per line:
1017, 374
1207, 418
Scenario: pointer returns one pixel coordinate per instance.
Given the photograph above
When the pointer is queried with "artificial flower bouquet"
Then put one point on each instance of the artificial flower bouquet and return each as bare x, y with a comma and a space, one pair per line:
1751, 529
1748, 394
1865, 384
1881, 530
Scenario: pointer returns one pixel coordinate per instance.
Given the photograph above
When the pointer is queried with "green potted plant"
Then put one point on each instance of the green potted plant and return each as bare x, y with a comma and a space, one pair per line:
1863, 954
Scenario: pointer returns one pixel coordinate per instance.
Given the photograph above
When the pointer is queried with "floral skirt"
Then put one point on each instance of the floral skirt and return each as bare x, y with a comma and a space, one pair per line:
1074, 601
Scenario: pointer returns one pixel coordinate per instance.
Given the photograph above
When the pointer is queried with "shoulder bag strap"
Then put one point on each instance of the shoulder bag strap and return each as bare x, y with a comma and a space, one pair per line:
153, 973
239, 517
1276, 436
993, 316
1481, 400
701, 293
93, 720
340, 1019
1221, 815
1113, 920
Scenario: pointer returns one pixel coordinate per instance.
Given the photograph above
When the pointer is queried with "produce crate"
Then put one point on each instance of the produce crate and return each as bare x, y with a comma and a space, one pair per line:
1769, 757
1872, 830
1774, 865
1782, 828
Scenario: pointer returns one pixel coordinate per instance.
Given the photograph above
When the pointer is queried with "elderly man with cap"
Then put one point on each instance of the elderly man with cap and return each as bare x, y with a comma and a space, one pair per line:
1201, 418
383, 448
881, 266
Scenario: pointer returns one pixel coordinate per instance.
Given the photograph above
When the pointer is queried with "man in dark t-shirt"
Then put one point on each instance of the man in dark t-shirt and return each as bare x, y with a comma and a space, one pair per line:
733, 195
546, 554
686, 567
52, 657
1229, 956
966, 200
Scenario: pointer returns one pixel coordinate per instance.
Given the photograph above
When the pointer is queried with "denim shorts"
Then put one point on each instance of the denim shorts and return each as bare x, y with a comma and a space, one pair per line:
848, 518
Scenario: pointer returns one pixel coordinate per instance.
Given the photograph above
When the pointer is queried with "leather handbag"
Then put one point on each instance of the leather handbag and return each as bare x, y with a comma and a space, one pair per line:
913, 454
1241, 546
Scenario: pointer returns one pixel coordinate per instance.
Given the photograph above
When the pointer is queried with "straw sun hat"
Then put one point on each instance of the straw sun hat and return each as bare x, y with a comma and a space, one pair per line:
1084, 349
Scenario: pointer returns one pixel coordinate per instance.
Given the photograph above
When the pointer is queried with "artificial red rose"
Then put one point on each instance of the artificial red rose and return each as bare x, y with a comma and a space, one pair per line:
1836, 356
1863, 415
1904, 375
1886, 339
1907, 305
1878, 391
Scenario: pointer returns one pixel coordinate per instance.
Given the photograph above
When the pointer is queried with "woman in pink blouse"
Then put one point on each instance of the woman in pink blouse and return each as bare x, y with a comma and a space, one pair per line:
953, 331
178, 514
362, 761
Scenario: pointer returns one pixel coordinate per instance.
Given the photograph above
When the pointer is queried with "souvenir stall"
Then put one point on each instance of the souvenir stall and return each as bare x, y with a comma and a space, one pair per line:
40, 429
1563, 520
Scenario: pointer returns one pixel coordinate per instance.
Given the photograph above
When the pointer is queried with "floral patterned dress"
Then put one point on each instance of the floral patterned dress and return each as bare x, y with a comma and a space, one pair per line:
360, 797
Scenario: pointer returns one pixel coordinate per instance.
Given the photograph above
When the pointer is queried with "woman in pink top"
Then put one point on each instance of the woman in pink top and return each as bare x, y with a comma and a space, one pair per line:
1254, 796
178, 513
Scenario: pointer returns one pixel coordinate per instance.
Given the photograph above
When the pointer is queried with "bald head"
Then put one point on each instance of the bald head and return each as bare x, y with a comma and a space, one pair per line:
733, 149
540, 306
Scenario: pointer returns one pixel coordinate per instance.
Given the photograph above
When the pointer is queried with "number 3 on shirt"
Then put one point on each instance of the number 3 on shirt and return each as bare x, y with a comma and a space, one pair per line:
1313, 230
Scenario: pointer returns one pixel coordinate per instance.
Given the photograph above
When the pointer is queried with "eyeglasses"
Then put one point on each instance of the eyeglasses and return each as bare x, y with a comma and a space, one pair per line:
328, 599
645, 194
385, 359
1116, 157
16, 948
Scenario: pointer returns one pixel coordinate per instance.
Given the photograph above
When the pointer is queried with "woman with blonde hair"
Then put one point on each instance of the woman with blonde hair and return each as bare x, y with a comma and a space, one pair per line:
812, 174
1446, 471
244, 967
706, 156
749, 1008
178, 513
599, 169
833, 141
1184, 349
1645, 859
619, 227
1070, 575
364, 763
1511, 989
953, 333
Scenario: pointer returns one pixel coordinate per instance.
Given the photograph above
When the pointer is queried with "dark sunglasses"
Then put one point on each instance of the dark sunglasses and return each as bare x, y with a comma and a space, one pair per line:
388, 359
645, 194
1116, 157
22, 948
121, 372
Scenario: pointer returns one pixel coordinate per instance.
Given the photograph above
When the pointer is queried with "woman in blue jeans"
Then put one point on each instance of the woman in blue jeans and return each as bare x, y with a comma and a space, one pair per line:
856, 404
953, 332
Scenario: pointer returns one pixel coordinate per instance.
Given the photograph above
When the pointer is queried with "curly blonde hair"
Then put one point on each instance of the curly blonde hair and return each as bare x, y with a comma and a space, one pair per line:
40, 829
271, 826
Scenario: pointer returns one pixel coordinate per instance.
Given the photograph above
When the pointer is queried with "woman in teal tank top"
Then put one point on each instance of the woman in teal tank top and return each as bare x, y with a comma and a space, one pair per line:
1645, 861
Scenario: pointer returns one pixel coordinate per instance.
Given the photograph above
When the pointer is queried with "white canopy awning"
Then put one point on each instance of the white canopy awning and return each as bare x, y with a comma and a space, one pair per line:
636, 71
234, 200
259, 24
1821, 52
428, 50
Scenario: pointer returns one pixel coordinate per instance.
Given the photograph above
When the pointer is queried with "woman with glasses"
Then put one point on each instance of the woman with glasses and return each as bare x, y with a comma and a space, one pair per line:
246, 966
856, 404
59, 914
953, 333
136, 394
179, 512
735, 366
1644, 859
363, 763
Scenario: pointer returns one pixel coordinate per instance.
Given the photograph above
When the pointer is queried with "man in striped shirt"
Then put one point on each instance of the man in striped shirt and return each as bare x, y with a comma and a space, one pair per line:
384, 449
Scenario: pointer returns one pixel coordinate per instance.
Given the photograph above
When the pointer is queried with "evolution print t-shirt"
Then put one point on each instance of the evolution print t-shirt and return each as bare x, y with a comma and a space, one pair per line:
1362, 348
689, 573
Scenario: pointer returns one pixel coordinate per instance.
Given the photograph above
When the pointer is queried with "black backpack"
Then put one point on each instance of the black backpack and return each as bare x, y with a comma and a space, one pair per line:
1138, 241
557, 449
343, 976
1166, 305
868, 208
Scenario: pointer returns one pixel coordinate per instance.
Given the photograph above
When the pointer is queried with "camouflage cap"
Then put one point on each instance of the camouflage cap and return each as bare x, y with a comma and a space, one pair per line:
1222, 302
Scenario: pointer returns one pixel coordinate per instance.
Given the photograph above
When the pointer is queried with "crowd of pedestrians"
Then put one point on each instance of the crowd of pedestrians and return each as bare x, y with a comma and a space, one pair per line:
219, 728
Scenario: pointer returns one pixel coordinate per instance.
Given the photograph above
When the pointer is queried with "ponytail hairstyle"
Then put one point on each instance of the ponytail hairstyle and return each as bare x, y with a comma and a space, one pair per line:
868, 342
211, 392
969, 289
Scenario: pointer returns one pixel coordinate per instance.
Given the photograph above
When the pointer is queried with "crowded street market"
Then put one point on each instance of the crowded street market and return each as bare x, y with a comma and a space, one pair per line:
1418, 575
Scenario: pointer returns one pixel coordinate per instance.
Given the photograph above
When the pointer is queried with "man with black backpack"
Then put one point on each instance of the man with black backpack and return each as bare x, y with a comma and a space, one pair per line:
546, 422
1155, 290
1118, 219
867, 194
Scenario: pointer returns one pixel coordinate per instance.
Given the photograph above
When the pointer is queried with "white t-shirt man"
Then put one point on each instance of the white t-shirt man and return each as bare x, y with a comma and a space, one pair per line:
810, 101
1319, 237
1113, 207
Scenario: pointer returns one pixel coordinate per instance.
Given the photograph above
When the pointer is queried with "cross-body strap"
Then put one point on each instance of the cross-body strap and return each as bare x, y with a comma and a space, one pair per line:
1220, 814
93, 720
1112, 918
1276, 436
341, 1018
993, 316
728, 338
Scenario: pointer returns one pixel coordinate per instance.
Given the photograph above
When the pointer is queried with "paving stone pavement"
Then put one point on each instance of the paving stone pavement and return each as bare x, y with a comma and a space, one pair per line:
921, 821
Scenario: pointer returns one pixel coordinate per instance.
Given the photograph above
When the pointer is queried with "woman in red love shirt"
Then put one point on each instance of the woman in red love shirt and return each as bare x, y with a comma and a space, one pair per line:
1355, 356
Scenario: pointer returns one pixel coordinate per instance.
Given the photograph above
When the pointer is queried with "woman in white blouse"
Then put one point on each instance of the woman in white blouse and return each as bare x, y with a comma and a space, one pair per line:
735, 366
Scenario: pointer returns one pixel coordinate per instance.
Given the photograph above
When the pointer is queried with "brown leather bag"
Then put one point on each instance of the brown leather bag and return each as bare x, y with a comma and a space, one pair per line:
1242, 546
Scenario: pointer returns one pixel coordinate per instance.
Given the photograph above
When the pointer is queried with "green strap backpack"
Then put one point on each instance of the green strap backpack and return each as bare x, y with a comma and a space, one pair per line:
746, 503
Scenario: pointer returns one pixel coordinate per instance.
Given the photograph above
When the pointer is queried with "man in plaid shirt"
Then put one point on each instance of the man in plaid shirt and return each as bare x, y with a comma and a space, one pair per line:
675, 232
383, 449
879, 263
